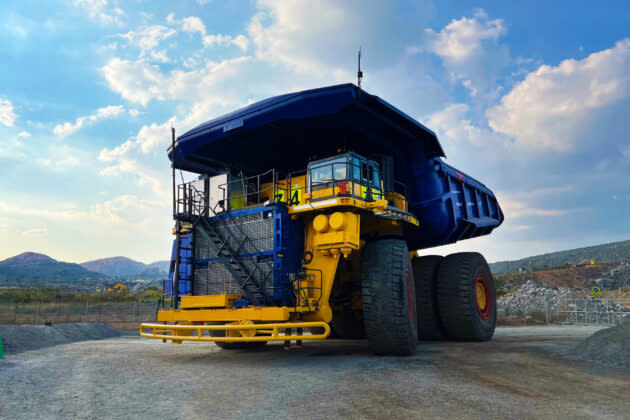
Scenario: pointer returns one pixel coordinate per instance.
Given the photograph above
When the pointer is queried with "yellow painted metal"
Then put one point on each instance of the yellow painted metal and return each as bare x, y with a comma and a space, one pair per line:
210, 301
482, 299
342, 236
267, 313
186, 332
320, 223
241, 332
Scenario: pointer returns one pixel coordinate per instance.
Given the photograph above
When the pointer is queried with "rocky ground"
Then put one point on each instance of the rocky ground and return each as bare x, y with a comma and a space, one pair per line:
616, 277
520, 374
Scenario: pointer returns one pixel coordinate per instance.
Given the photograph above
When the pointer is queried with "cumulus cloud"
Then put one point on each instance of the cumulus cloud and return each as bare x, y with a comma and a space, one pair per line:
453, 123
24, 134
471, 49
147, 38
557, 107
140, 82
67, 128
7, 115
101, 11
193, 24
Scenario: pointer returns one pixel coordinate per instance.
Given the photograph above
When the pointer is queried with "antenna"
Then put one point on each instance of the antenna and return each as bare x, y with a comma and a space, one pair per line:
359, 72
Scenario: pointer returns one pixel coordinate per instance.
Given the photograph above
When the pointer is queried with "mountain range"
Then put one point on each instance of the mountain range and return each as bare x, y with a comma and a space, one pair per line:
31, 269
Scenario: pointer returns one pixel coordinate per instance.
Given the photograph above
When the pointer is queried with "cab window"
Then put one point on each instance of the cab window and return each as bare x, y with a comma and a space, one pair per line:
374, 178
324, 171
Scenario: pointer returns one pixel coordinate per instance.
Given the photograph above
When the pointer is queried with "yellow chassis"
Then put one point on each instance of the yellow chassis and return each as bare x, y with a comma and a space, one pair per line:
327, 238
236, 332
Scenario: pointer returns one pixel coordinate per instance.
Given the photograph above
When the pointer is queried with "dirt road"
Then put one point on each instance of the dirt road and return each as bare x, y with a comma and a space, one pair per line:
520, 374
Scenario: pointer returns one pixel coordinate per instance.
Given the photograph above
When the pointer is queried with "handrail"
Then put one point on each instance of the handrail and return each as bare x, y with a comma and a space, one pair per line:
191, 201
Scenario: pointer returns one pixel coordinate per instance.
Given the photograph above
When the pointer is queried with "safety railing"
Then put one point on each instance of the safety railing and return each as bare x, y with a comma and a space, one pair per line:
319, 183
236, 332
252, 190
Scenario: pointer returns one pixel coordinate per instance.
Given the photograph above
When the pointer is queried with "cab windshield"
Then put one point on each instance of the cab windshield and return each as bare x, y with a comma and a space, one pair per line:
332, 170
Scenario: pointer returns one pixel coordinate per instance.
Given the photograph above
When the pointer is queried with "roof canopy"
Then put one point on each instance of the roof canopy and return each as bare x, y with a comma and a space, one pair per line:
285, 131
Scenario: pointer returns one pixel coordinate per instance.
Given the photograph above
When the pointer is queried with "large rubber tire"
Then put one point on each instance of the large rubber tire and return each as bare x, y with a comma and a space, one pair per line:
389, 298
462, 317
244, 345
425, 272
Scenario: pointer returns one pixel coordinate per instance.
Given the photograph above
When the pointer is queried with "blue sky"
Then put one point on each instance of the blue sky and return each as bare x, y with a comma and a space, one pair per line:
532, 98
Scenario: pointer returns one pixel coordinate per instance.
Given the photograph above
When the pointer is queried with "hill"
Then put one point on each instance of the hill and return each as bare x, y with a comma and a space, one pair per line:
615, 251
34, 269
160, 265
115, 266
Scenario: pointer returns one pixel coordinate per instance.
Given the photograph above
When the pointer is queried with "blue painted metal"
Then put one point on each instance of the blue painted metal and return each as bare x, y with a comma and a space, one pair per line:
451, 206
280, 132
288, 246
185, 268
284, 132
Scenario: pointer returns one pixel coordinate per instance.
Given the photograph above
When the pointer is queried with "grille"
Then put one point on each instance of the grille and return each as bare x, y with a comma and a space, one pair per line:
216, 278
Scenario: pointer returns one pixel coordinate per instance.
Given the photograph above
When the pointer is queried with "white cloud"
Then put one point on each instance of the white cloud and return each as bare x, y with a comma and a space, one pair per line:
100, 11
143, 175
140, 82
59, 164
147, 38
463, 39
7, 116
455, 126
297, 30
193, 24
471, 50
24, 134
68, 128
557, 107
127, 211
35, 232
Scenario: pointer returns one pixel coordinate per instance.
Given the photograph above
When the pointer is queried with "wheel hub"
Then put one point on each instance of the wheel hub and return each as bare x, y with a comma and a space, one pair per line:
482, 296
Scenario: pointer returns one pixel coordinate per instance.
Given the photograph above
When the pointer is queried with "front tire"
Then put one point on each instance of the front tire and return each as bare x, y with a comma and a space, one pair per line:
466, 297
389, 298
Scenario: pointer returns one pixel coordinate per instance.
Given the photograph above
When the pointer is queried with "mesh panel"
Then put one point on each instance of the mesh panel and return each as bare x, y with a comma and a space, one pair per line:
255, 227
217, 279
248, 234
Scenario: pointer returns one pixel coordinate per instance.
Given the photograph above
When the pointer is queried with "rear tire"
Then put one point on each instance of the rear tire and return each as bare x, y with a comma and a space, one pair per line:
463, 279
425, 272
389, 298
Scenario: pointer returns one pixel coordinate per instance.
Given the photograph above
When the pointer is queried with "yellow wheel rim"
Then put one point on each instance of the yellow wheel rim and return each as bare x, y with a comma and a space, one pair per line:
482, 299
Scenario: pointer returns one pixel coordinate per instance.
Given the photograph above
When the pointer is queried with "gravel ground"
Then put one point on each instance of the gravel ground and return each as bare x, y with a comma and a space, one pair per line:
520, 374
18, 338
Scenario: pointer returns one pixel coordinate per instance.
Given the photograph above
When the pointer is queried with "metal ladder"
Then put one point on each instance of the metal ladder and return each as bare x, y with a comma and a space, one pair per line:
251, 281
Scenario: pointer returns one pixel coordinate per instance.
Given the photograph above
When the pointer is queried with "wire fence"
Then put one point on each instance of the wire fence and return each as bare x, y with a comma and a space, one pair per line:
591, 311
124, 316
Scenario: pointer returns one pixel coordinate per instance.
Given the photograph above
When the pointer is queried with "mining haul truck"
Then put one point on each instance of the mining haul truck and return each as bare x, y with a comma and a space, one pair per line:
304, 221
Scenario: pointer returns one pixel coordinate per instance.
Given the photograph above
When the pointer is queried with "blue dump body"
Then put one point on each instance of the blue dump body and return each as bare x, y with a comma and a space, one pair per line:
286, 132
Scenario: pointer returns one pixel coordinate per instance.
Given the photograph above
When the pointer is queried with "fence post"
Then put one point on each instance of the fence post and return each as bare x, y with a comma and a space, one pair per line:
547, 309
135, 312
99, 312
37, 313
86, 311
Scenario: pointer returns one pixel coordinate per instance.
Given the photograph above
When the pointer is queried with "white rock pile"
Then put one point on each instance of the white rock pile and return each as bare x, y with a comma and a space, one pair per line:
532, 296
616, 277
